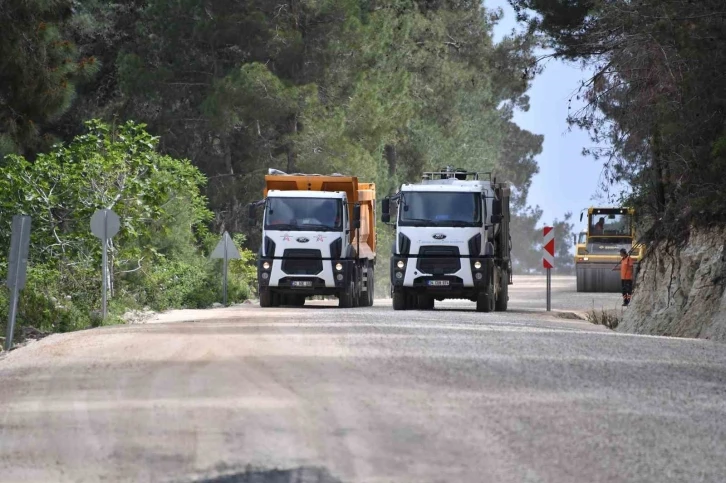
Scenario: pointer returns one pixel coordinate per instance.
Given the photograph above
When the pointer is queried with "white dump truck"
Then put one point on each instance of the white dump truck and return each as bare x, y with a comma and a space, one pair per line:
318, 238
452, 241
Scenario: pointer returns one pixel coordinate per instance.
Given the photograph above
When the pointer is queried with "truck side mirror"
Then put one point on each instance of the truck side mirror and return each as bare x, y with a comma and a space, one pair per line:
386, 210
251, 214
356, 216
496, 211
574, 239
580, 216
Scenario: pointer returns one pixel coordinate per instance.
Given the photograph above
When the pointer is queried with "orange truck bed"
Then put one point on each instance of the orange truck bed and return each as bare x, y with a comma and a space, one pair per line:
356, 192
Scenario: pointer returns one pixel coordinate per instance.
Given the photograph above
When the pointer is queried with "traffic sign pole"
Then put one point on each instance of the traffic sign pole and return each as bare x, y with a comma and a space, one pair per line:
548, 260
104, 273
549, 289
226, 260
17, 270
104, 225
226, 250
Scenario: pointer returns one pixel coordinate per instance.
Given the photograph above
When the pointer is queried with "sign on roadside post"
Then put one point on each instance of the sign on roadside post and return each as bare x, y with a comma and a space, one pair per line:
548, 260
17, 269
104, 225
226, 250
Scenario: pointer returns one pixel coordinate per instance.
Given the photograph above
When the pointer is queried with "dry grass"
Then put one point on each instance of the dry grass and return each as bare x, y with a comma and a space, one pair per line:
608, 318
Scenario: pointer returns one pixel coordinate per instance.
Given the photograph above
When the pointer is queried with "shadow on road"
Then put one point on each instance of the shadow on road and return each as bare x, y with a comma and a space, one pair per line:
296, 475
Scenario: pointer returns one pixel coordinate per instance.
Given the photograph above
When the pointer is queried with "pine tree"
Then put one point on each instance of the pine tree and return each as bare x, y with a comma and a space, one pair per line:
39, 71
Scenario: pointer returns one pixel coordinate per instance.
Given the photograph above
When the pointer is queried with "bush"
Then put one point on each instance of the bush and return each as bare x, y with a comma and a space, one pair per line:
158, 259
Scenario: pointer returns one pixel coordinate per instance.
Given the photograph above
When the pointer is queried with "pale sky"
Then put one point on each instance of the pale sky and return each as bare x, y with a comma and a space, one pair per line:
567, 181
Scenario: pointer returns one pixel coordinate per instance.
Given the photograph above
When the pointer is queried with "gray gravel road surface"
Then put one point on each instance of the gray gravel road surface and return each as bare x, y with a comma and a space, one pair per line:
366, 395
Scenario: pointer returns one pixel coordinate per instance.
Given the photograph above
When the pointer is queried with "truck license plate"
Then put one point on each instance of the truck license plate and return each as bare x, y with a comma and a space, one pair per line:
438, 283
302, 283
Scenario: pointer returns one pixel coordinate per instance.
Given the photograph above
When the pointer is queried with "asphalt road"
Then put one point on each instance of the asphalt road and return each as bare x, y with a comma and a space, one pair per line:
366, 395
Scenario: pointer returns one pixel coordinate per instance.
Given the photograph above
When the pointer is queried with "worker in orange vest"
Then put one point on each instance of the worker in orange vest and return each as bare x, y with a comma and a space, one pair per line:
626, 276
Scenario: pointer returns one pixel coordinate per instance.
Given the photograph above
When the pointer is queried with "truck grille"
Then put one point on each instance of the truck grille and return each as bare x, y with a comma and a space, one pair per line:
302, 262
438, 260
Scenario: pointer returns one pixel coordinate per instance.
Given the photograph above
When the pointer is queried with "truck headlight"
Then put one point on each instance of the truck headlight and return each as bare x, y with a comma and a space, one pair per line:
477, 264
401, 264
266, 265
339, 266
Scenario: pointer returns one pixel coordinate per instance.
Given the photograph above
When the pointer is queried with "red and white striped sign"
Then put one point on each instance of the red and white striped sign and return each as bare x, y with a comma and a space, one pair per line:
548, 258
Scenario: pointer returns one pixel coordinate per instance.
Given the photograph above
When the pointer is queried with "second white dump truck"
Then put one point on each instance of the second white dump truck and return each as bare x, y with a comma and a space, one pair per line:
452, 241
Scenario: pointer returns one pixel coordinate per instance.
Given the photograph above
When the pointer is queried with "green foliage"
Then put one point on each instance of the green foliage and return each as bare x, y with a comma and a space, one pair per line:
108, 167
381, 91
157, 259
40, 67
655, 101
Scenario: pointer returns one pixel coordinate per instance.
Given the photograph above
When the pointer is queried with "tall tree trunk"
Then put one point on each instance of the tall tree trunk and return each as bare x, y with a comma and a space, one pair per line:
390, 153
660, 173
291, 144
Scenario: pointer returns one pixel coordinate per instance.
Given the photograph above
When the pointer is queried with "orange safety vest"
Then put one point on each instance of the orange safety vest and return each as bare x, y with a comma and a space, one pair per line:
626, 268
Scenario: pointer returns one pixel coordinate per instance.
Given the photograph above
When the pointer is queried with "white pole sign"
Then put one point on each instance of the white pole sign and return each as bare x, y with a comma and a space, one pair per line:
104, 225
548, 260
226, 250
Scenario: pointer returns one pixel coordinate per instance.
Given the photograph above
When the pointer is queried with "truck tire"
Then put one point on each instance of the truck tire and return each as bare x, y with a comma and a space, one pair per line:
265, 298
371, 286
503, 299
485, 299
367, 296
399, 300
425, 302
346, 298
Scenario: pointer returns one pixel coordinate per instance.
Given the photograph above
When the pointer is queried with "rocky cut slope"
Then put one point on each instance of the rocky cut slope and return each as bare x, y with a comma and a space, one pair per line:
681, 290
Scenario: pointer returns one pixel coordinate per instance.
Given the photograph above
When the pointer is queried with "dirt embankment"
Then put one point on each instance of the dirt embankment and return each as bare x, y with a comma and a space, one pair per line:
681, 291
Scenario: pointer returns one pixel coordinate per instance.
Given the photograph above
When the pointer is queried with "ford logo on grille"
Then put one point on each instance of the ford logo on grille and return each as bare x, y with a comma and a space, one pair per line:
439, 236
302, 239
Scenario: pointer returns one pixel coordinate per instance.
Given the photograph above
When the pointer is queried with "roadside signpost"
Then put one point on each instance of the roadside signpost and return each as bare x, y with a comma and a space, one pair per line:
104, 225
548, 260
17, 269
226, 250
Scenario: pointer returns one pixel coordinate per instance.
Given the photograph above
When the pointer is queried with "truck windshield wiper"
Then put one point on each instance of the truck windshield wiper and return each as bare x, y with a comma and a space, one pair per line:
283, 226
459, 223
420, 221
317, 228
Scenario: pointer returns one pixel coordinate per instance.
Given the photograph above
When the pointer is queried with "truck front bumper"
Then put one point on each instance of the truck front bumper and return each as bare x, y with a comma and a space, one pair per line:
466, 282
328, 282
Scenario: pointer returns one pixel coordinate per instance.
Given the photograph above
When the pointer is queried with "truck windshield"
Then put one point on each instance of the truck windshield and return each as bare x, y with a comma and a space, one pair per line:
440, 209
304, 214
610, 225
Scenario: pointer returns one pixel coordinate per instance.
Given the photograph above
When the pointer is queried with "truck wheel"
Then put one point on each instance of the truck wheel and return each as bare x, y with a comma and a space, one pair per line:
367, 296
425, 302
265, 298
399, 300
371, 286
485, 299
346, 297
503, 300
